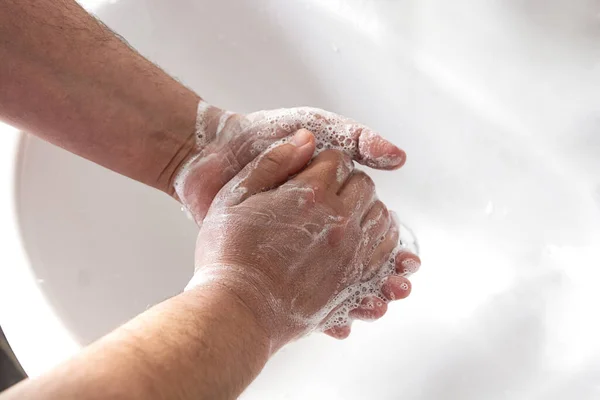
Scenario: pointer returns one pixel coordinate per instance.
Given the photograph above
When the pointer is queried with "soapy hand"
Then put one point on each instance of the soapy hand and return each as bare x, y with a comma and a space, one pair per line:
226, 142
309, 253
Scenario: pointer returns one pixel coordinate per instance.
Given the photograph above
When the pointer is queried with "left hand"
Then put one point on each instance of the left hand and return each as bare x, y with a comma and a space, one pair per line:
227, 141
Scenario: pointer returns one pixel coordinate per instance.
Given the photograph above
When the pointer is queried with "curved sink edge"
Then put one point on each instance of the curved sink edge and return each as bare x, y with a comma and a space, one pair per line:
36, 334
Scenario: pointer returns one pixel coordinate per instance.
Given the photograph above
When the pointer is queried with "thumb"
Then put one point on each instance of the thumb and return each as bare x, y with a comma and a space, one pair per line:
270, 169
376, 152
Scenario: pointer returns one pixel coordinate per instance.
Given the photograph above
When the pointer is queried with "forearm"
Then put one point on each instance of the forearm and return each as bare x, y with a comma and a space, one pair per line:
68, 79
202, 344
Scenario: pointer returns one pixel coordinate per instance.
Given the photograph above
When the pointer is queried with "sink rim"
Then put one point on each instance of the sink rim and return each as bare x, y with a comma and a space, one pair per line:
18, 285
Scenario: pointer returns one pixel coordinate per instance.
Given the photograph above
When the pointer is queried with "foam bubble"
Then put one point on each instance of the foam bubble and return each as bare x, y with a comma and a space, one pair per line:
202, 123
352, 297
264, 130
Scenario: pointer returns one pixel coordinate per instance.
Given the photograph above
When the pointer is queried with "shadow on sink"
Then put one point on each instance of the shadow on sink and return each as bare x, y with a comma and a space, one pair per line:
10, 369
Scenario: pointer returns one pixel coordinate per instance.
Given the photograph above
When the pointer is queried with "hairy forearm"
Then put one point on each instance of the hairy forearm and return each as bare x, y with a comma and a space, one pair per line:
202, 344
68, 79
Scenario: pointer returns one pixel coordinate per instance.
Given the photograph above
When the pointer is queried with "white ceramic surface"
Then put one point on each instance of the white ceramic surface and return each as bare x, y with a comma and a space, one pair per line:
497, 104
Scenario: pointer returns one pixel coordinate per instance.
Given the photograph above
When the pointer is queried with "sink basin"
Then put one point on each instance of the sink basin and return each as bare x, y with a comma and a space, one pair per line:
498, 108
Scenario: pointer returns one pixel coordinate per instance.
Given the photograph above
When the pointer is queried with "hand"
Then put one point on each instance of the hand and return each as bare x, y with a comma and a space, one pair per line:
309, 253
227, 141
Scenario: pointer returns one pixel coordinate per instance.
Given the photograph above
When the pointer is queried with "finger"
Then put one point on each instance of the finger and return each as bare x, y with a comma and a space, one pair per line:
376, 152
407, 263
328, 171
339, 332
366, 146
369, 309
358, 193
269, 169
395, 287
375, 223
383, 251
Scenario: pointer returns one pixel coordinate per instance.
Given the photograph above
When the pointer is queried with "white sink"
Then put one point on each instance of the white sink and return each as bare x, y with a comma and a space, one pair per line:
498, 108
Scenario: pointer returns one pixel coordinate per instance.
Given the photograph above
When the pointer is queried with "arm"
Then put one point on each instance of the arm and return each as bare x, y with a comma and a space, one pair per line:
257, 286
201, 344
66, 78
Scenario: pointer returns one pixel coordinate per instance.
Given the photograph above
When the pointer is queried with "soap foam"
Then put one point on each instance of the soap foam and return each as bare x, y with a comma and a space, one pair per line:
244, 137
351, 297
263, 130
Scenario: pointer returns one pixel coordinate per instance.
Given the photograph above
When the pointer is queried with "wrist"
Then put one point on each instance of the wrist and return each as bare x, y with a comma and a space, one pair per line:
227, 306
252, 295
175, 130
207, 162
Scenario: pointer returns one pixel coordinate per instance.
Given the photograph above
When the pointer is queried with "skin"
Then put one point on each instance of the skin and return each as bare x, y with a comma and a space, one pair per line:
67, 79
328, 214
212, 340
226, 142
187, 347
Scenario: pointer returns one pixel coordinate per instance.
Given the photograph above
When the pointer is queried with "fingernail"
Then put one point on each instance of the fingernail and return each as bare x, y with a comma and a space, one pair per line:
301, 138
410, 266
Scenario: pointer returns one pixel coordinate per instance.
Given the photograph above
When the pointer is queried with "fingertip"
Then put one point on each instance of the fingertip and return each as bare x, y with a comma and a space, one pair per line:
400, 156
377, 152
392, 159
370, 309
396, 287
339, 332
407, 263
304, 141
303, 137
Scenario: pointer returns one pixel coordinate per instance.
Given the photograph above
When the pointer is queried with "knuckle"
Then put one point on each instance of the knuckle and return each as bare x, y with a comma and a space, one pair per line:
382, 211
328, 161
335, 236
364, 179
329, 155
368, 181
272, 161
345, 220
336, 157
379, 207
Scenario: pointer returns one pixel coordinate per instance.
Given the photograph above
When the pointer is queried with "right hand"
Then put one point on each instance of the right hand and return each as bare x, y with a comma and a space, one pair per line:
309, 253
